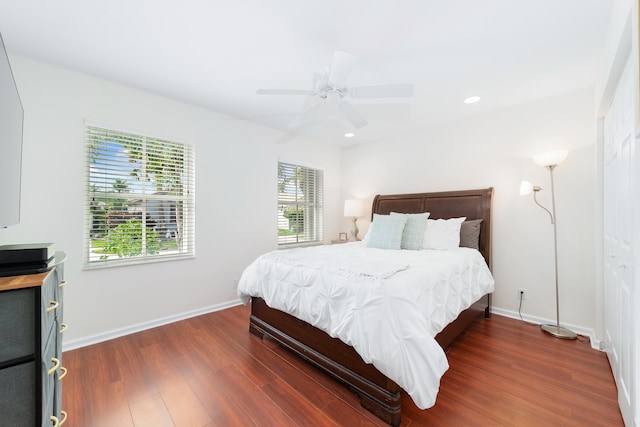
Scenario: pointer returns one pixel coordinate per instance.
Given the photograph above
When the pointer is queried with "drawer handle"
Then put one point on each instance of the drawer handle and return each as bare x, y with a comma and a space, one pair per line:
62, 375
53, 306
56, 365
54, 420
64, 417
62, 283
63, 327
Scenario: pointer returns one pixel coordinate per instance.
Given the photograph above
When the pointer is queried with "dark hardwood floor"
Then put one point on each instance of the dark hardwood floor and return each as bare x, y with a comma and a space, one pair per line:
209, 371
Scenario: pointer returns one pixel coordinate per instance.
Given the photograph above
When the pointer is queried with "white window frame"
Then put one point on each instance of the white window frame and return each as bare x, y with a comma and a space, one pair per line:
155, 205
303, 190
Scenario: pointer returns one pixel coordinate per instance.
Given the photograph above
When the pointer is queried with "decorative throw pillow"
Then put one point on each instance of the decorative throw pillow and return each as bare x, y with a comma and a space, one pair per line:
386, 231
413, 232
442, 234
470, 234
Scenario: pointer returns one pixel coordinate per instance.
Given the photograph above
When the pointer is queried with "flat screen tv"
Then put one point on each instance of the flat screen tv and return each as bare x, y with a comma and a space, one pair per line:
11, 119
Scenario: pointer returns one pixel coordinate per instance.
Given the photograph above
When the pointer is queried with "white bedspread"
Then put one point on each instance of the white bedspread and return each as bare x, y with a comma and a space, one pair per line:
386, 304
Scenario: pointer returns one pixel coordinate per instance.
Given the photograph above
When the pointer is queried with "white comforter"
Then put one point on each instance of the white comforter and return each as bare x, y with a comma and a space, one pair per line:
386, 304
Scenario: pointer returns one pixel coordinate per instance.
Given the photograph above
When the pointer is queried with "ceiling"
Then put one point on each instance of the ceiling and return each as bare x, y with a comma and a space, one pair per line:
216, 54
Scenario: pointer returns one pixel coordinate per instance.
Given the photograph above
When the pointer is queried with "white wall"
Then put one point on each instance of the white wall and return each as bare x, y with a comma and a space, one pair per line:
235, 197
616, 48
236, 189
495, 150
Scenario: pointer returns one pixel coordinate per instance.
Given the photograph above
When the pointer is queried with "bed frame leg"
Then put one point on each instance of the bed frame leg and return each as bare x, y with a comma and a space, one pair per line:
390, 414
487, 309
256, 331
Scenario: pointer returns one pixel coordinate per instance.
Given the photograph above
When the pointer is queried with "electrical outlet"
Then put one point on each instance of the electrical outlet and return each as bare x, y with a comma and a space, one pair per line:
235, 283
522, 294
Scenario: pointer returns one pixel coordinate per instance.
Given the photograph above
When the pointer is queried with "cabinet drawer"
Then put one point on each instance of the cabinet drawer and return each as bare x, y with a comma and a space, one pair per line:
51, 302
50, 369
17, 397
17, 323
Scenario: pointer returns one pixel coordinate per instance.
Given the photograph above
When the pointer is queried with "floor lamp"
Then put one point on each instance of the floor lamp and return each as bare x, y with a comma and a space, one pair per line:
551, 161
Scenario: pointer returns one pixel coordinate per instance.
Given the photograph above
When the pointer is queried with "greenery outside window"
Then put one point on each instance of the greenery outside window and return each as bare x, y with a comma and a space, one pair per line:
140, 198
300, 205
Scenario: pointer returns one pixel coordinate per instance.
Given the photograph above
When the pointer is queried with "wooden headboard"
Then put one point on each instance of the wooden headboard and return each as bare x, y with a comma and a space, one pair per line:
473, 204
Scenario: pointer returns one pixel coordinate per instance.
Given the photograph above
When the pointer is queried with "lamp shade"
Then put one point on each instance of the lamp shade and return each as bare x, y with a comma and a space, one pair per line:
550, 158
353, 208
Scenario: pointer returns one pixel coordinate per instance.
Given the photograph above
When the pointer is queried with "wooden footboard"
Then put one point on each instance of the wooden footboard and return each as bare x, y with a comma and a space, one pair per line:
377, 393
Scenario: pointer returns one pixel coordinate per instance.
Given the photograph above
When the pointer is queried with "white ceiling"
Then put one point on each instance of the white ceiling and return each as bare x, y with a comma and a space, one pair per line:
216, 54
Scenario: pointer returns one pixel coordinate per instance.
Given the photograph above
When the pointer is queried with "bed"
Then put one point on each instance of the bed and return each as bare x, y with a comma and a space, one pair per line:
376, 391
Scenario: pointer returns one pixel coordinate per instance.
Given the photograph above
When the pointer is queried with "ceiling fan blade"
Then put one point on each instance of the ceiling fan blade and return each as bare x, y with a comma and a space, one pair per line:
341, 67
304, 116
284, 92
351, 114
383, 91
319, 80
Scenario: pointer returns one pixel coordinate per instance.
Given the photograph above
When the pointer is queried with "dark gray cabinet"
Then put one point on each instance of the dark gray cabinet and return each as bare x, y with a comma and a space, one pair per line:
31, 326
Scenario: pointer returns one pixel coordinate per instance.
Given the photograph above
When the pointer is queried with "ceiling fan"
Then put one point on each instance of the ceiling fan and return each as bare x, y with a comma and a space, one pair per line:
331, 87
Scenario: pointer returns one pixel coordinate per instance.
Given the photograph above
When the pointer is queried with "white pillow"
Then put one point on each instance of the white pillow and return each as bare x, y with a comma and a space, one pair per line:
386, 231
442, 234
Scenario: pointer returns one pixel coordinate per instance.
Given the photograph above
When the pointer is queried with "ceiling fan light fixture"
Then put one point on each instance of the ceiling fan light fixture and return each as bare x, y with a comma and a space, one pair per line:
333, 96
332, 91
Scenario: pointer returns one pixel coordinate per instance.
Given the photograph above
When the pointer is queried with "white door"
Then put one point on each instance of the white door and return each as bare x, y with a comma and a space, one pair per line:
619, 223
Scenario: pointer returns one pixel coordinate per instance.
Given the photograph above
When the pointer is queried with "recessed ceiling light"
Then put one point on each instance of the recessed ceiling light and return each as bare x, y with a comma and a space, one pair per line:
472, 100
349, 135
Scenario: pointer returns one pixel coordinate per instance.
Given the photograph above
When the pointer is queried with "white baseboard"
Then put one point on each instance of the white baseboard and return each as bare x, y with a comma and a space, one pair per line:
595, 343
94, 339
109, 335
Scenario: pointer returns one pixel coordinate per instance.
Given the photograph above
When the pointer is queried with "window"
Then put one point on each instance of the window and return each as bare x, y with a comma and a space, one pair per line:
140, 198
300, 200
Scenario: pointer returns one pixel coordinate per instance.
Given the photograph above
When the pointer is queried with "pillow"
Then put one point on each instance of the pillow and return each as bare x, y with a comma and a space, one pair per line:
386, 231
413, 232
470, 234
442, 234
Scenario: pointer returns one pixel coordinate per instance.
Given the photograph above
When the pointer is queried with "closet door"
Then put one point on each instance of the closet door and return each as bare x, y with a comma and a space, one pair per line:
619, 223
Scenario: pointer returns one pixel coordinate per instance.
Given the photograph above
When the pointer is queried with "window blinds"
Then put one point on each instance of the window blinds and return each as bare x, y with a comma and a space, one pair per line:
300, 204
140, 198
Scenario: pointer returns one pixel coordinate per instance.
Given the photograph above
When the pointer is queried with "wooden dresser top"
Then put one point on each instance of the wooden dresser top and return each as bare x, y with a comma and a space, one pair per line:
24, 281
